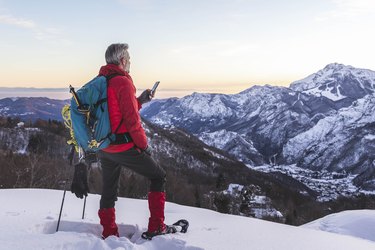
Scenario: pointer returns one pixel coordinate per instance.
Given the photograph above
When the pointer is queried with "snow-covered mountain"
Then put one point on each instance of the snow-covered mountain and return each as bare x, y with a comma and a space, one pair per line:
234, 144
270, 125
262, 116
324, 121
32, 108
341, 141
338, 82
29, 220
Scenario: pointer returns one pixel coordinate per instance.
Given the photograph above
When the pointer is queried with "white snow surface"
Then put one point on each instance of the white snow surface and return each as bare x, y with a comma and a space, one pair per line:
29, 219
358, 223
327, 93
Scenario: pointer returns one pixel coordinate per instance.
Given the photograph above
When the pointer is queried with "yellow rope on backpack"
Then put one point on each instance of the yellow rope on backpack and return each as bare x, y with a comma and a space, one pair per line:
65, 112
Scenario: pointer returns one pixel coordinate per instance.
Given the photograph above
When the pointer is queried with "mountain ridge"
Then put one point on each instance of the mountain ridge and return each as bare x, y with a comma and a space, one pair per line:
338, 81
260, 124
265, 120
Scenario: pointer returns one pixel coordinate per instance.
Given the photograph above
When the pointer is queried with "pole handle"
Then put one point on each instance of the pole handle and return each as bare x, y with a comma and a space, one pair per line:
72, 91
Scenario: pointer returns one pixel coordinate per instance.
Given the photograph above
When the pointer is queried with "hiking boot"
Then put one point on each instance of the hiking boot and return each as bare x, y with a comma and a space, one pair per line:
107, 220
156, 204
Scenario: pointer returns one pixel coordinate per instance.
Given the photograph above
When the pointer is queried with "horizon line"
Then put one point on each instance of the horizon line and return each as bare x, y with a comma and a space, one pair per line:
161, 89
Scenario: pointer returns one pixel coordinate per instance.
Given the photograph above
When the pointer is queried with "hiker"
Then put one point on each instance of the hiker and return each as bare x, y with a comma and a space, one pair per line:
123, 107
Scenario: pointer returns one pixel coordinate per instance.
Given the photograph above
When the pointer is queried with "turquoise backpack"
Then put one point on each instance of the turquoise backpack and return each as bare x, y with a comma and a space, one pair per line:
90, 118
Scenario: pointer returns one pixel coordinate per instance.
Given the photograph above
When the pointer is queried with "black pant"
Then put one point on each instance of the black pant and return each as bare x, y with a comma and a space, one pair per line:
139, 162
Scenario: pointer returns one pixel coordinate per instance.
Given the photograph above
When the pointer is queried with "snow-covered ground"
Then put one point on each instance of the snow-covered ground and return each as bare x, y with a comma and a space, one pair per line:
358, 223
29, 216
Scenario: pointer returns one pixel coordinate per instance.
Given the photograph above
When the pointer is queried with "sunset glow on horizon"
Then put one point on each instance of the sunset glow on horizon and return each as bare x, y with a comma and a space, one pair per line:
211, 45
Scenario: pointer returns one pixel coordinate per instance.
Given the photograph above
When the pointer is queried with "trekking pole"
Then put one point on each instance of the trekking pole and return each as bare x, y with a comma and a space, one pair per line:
84, 207
72, 91
84, 203
62, 204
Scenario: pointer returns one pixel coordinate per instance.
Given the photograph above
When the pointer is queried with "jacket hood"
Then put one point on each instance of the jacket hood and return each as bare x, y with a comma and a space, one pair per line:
111, 69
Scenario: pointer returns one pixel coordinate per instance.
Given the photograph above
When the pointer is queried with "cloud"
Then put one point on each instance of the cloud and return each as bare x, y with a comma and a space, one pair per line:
19, 22
349, 9
39, 32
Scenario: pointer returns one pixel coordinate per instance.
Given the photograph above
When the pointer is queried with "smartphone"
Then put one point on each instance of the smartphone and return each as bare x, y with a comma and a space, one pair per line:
154, 87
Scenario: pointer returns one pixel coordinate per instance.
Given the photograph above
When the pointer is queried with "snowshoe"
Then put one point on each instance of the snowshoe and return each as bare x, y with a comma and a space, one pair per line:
167, 230
179, 226
184, 224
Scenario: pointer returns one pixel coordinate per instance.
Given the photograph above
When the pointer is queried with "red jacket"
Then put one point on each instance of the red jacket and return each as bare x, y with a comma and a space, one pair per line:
123, 104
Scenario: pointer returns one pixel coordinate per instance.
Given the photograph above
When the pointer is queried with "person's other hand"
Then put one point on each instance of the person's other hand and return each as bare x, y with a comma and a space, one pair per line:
79, 185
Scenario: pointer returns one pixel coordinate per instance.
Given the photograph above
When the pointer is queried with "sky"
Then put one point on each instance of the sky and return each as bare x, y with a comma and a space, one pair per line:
215, 46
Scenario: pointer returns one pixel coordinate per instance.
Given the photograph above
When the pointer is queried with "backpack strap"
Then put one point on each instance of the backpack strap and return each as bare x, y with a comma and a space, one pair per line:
122, 137
99, 103
109, 77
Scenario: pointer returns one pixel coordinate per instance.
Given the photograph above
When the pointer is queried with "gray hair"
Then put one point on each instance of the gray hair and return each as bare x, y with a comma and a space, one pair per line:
115, 52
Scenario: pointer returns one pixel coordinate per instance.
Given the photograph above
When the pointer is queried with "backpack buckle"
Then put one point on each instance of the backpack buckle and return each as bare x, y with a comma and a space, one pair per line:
94, 144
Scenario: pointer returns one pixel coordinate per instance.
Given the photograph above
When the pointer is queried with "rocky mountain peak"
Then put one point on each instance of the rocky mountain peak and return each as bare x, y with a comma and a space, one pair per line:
338, 82
336, 67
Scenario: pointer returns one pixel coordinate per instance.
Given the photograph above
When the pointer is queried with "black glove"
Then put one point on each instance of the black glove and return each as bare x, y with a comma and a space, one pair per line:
145, 97
80, 186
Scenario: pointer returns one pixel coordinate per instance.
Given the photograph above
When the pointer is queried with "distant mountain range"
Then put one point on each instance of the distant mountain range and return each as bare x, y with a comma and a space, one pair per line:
8, 89
32, 108
323, 122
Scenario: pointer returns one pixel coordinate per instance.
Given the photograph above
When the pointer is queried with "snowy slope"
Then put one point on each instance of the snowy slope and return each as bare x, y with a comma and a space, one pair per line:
28, 221
358, 223
234, 144
350, 131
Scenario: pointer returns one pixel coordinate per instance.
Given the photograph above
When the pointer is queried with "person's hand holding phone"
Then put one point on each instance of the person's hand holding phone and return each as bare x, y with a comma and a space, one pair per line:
148, 94
154, 89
